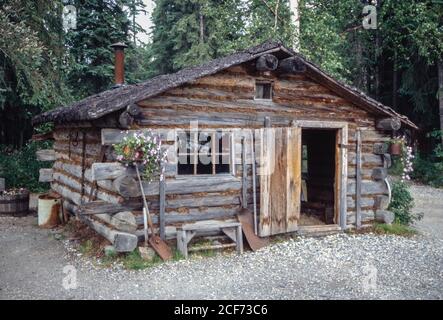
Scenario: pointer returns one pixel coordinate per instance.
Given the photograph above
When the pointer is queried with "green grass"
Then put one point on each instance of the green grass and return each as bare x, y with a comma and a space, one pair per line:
395, 229
87, 247
133, 260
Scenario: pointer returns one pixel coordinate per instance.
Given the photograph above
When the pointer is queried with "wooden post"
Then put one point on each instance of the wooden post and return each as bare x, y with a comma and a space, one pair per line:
254, 187
358, 182
245, 175
268, 122
162, 191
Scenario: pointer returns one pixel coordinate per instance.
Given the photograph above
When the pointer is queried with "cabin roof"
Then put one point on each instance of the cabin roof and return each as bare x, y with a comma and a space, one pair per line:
109, 101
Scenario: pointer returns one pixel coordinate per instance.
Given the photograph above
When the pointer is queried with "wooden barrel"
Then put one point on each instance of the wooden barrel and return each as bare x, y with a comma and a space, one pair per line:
14, 204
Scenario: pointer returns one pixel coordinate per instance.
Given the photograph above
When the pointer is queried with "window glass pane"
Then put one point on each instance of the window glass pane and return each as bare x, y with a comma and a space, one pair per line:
202, 145
263, 90
267, 91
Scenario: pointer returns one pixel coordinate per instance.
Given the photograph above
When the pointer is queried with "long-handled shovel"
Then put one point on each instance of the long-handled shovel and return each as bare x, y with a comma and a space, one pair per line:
155, 241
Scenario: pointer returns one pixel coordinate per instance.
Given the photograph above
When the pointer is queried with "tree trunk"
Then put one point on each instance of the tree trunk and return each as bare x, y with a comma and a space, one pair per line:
440, 93
295, 19
394, 83
202, 27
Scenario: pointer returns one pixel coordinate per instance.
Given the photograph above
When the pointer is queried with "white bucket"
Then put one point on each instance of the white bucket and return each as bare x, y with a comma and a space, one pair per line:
47, 217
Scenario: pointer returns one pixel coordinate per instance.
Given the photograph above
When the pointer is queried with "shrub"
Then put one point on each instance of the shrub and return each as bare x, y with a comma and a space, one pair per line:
427, 171
402, 204
20, 168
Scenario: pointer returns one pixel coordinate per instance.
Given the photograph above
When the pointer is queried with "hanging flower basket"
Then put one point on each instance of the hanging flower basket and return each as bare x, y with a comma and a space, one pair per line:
143, 150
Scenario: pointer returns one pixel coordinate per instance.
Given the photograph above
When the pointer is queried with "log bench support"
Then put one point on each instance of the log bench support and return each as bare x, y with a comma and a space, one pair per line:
187, 232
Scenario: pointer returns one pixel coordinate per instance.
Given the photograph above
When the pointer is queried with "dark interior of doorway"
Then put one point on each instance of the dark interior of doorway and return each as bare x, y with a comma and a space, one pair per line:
318, 177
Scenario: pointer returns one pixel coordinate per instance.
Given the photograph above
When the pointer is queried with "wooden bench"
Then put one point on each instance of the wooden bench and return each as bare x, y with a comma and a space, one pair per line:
187, 232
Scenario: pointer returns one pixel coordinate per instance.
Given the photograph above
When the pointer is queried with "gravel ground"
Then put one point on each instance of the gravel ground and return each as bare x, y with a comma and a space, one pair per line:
341, 266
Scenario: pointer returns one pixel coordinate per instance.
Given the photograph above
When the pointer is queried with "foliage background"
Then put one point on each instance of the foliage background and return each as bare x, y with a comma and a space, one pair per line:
42, 66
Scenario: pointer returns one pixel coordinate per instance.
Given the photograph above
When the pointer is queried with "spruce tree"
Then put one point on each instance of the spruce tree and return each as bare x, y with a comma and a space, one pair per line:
100, 23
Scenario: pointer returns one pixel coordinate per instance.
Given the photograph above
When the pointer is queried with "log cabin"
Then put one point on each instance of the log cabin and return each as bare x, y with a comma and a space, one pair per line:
302, 150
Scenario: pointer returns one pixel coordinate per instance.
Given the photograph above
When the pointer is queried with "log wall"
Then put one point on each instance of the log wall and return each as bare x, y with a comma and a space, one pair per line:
224, 100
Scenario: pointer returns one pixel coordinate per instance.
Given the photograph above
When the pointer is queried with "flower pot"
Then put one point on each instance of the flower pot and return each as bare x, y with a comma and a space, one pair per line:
395, 149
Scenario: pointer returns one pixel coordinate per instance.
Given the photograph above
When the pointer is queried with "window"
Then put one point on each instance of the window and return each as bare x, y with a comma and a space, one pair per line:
204, 152
263, 90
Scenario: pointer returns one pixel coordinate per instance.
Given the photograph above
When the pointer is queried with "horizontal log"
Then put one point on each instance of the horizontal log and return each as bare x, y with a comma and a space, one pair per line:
266, 62
381, 148
381, 202
379, 173
207, 200
45, 155
122, 221
368, 187
389, 124
384, 216
107, 170
43, 136
122, 242
45, 175
291, 65
366, 216
195, 214
133, 109
99, 207
366, 159
112, 136
364, 202
76, 135
66, 193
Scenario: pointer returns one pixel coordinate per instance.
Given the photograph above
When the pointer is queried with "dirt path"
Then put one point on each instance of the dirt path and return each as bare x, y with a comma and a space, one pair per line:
32, 264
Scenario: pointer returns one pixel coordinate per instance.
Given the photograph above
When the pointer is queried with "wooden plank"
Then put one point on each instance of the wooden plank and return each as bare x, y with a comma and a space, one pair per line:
107, 170
293, 178
358, 181
278, 183
45, 155
45, 175
280, 180
244, 176
266, 142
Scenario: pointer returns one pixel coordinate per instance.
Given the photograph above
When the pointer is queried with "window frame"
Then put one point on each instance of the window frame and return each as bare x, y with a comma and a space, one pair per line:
194, 154
264, 82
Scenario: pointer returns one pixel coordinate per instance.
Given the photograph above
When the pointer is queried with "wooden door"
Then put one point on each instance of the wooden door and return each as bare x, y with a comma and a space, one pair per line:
279, 155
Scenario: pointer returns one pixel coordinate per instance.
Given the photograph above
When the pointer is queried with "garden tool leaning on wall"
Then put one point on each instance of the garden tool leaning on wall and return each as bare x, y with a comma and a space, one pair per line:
155, 241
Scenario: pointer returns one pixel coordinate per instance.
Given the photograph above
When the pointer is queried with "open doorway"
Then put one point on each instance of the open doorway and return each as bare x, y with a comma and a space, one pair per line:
318, 194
